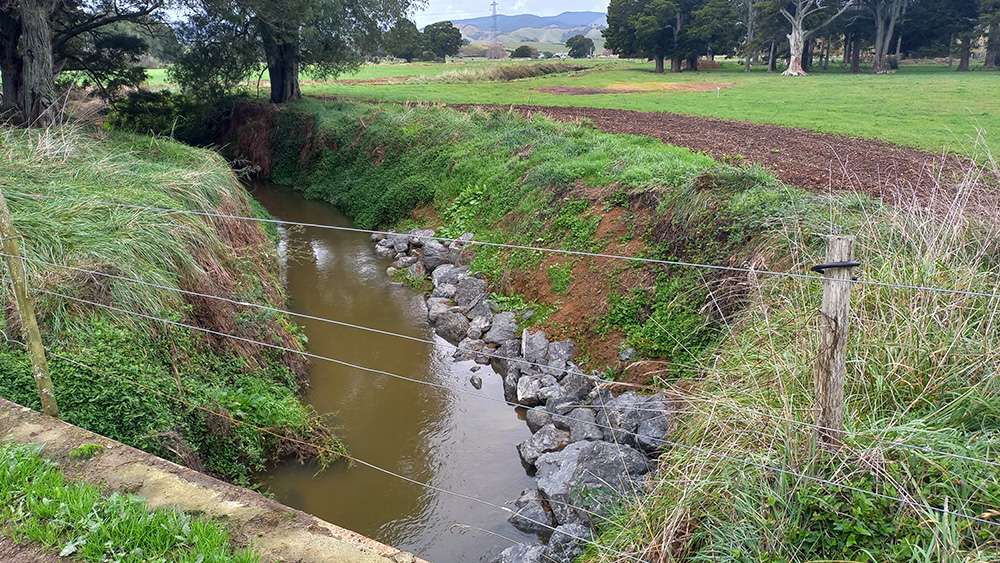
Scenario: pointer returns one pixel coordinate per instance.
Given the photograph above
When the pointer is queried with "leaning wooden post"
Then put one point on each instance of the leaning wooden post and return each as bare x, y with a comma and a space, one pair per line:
26, 311
831, 363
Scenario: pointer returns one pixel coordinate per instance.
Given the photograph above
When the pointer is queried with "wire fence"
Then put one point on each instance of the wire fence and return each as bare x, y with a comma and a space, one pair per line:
774, 469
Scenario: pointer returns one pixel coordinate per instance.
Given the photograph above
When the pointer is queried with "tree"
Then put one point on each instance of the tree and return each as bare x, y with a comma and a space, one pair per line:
796, 13
34, 32
226, 39
524, 52
885, 13
714, 28
442, 39
404, 41
580, 47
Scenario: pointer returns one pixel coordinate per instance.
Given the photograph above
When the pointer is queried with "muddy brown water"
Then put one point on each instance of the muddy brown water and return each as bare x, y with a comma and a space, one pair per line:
454, 438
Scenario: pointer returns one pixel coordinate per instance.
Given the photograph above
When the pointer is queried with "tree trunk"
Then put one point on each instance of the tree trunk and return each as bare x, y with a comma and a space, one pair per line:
951, 50
885, 12
856, 54
965, 53
992, 46
796, 43
772, 64
692, 63
28, 79
658, 60
807, 56
675, 64
281, 48
826, 56
11, 64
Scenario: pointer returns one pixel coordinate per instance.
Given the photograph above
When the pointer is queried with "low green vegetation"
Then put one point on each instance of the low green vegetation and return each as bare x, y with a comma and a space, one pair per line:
117, 372
744, 481
77, 520
924, 106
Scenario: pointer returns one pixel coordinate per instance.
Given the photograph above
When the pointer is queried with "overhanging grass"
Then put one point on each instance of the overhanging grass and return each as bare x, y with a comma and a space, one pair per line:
76, 519
176, 251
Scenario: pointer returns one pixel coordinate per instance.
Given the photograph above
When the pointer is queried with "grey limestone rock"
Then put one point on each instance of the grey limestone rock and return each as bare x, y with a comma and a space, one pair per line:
510, 377
435, 254
508, 350
567, 542
582, 427
534, 345
476, 381
467, 349
443, 275
575, 384
547, 439
521, 553
385, 251
420, 237
620, 418
504, 328
452, 326
405, 262
559, 354
471, 292
478, 325
444, 290
537, 417
437, 306
416, 270
589, 475
376, 237
627, 355
536, 389
532, 516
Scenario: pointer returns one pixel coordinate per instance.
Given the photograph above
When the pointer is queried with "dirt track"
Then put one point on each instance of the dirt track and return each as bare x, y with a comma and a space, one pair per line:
807, 159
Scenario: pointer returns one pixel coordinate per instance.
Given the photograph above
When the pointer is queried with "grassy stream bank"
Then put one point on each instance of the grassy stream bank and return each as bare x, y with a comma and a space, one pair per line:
72, 169
744, 482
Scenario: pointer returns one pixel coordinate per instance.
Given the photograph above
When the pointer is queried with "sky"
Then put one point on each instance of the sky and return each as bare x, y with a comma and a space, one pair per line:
439, 10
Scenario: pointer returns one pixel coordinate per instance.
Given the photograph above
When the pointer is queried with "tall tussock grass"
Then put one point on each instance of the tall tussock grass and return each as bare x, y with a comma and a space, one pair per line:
501, 73
746, 481
57, 183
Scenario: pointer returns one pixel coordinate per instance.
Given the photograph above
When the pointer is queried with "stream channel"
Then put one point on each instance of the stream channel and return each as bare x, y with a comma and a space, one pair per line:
454, 437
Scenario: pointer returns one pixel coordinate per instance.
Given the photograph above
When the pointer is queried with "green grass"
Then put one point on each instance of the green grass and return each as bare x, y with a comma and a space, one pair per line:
254, 384
77, 520
924, 106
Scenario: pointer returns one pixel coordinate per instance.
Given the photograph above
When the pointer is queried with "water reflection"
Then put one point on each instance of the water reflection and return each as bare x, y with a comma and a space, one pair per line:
450, 439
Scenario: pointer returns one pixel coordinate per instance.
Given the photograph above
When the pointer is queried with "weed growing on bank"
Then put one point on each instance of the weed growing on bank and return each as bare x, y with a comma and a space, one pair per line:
76, 519
213, 256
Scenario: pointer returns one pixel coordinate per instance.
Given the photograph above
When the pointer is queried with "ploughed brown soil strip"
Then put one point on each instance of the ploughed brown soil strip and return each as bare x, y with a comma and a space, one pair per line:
807, 159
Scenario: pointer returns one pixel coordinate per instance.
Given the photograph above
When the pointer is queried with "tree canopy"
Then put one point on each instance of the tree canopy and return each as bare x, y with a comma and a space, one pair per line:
227, 39
442, 39
580, 47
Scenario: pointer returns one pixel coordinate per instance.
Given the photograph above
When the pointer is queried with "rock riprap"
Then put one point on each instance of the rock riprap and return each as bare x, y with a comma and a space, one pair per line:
589, 449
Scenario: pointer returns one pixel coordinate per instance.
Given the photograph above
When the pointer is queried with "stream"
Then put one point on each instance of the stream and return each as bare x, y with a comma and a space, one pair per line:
453, 437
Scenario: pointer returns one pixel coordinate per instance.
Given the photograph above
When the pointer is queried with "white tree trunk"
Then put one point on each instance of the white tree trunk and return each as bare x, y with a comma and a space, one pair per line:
796, 42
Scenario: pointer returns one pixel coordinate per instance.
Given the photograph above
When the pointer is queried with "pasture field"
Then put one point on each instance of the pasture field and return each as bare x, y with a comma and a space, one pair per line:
923, 106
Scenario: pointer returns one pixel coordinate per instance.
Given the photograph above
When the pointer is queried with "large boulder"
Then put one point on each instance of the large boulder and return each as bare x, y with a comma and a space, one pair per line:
582, 426
576, 385
536, 389
504, 328
655, 424
467, 349
435, 254
620, 418
508, 351
479, 325
521, 553
452, 326
536, 418
589, 477
510, 378
534, 345
567, 542
559, 354
532, 516
448, 274
471, 293
420, 237
547, 439
437, 306
445, 290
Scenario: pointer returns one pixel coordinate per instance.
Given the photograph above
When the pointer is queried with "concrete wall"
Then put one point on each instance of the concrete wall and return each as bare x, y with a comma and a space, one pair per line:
275, 531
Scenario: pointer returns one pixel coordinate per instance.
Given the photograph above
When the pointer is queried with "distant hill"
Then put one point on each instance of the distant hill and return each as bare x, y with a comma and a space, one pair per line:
565, 20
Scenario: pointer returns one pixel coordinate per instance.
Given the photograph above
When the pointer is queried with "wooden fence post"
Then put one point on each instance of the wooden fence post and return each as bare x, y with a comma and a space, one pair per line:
831, 363
26, 311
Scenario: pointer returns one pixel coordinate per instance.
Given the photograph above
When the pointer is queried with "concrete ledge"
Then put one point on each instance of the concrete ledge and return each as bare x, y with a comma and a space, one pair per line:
278, 533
